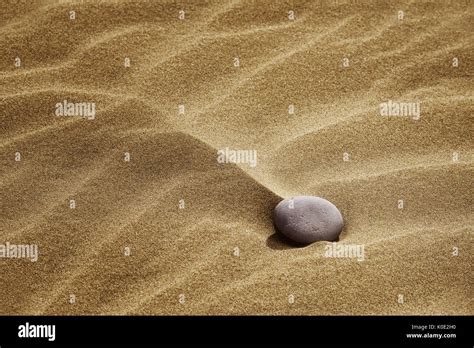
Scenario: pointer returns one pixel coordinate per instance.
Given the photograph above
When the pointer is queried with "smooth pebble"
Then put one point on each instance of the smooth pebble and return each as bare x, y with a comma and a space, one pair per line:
308, 219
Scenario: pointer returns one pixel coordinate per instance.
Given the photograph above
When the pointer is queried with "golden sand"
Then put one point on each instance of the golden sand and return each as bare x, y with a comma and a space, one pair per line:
403, 185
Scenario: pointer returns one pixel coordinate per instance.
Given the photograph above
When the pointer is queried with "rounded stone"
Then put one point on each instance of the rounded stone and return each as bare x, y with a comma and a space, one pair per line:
308, 219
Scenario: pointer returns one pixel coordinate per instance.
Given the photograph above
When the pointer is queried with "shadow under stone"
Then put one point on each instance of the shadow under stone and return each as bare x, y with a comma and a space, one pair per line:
279, 241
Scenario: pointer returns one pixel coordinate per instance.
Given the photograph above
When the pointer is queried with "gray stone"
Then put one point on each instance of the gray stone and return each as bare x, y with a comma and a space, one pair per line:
308, 219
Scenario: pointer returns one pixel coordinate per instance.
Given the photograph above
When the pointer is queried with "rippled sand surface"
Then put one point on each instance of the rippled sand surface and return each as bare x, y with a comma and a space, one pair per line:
198, 233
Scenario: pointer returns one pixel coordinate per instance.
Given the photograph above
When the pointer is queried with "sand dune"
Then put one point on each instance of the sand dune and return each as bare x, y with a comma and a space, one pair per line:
219, 253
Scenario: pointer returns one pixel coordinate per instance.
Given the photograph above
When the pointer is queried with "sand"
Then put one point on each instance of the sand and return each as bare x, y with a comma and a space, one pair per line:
172, 231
